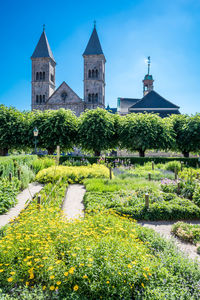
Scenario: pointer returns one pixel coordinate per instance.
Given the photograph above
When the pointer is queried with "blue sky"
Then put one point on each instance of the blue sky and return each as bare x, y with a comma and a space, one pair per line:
129, 31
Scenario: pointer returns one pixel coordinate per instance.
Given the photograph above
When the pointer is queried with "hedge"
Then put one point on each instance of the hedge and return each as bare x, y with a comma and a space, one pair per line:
191, 162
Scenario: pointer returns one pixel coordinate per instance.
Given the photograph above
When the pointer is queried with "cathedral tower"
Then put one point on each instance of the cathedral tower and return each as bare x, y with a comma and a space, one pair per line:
94, 73
43, 73
148, 80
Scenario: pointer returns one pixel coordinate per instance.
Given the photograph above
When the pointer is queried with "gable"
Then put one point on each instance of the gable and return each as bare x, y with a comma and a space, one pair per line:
154, 100
64, 95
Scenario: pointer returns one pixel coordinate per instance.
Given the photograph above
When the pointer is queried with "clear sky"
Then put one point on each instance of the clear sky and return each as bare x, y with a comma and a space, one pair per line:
129, 31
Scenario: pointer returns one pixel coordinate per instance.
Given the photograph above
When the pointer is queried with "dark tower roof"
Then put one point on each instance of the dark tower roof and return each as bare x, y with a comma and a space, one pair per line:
43, 49
93, 46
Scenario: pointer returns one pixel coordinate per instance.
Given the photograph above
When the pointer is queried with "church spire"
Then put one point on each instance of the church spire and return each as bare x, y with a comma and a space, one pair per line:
93, 46
148, 79
43, 49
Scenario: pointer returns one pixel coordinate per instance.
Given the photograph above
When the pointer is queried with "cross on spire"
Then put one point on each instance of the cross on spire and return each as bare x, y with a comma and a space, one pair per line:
95, 23
43, 27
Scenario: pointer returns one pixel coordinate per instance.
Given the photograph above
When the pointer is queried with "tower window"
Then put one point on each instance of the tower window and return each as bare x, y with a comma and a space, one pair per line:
43, 98
52, 77
43, 75
37, 76
97, 74
93, 73
89, 73
96, 97
37, 99
89, 97
40, 99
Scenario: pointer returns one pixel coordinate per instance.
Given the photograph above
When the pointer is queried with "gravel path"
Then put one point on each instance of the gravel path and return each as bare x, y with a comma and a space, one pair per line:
164, 229
73, 207
22, 198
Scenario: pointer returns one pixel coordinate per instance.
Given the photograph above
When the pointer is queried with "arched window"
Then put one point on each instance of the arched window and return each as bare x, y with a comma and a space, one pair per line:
43, 76
40, 75
97, 73
40, 99
93, 97
37, 99
89, 73
37, 76
93, 73
43, 98
96, 97
89, 97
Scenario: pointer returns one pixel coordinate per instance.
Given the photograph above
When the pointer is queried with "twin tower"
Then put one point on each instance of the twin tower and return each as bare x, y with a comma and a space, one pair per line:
44, 92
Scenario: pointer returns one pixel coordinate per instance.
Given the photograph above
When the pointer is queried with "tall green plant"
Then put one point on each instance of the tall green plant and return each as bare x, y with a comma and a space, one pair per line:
140, 132
97, 130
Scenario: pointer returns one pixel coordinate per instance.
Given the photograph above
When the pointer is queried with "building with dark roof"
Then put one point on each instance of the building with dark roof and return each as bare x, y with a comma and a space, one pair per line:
44, 92
151, 102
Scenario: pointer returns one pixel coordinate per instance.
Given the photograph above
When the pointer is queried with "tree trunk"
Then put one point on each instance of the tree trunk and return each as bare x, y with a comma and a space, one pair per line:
186, 153
97, 153
142, 153
4, 152
50, 151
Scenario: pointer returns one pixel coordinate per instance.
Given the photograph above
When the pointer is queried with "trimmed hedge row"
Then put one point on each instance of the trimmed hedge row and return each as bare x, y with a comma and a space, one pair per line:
190, 162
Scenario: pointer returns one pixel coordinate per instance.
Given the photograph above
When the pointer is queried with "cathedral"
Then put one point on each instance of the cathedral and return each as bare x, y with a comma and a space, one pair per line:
44, 92
46, 96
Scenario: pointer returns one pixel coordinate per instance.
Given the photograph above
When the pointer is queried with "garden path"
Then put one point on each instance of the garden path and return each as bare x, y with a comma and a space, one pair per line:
164, 229
22, 199
73, 207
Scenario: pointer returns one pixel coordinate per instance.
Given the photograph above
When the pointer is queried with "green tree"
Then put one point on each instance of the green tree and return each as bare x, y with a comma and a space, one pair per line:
12, 129
140, 132
187, 133
56, 127
97, 130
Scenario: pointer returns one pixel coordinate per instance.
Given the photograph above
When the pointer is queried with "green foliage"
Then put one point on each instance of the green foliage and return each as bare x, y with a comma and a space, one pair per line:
8, 194
186, 130
140, 132
13, 128
187, 232
97, 130
173, 165
72, 174
42, 163
56, 127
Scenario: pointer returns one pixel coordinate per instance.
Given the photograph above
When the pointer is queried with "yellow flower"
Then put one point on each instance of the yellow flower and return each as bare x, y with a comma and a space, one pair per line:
10, 279
50, 268
71, 270
85, 276
52, 287
31, 276
107, 281
52, 277
58, 282
90, 259
145, 275
44, 287
129, 266
66, 273
27, 283
1, 270
142, 284
12, 273
76, 287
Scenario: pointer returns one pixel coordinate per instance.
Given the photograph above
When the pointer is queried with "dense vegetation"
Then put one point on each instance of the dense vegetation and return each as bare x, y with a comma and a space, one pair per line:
103, 256
98, 130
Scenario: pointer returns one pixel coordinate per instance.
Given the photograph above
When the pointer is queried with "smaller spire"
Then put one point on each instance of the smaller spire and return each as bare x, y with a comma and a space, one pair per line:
43, 27
149, 63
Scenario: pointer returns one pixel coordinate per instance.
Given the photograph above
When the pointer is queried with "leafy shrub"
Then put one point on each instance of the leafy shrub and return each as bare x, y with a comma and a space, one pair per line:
196, 196
72, 174
42, 163
172, 165
187, 232
76, 163
27, 176
8, 193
